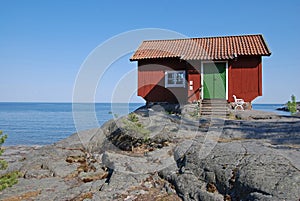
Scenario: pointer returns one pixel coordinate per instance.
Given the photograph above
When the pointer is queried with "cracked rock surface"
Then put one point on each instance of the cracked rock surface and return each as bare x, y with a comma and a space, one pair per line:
178, 158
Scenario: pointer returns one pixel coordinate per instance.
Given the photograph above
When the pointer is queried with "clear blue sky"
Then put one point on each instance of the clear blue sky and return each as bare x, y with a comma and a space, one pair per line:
44, 43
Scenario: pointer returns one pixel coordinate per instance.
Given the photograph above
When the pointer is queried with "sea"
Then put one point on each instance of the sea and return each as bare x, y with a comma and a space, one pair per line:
47, 123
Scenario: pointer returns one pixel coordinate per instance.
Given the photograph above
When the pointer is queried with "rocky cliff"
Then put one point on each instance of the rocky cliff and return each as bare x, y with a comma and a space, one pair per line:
155, 155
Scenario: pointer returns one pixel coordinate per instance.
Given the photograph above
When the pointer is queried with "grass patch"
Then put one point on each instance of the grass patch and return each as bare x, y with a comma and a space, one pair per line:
132, 123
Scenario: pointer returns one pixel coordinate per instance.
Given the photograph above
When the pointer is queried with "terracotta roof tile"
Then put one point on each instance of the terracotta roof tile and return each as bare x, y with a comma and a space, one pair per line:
211, 48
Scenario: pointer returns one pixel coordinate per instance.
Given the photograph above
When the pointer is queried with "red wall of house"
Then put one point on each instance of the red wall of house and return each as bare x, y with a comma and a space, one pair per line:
151, 81
245, 78
194, 92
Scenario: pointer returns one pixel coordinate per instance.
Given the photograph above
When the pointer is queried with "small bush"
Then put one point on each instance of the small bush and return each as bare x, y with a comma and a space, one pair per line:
11, 178
292, 105
196, 112
3, 163
132, 124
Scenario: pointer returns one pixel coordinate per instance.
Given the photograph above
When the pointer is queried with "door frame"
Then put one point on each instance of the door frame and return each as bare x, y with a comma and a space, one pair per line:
202, 76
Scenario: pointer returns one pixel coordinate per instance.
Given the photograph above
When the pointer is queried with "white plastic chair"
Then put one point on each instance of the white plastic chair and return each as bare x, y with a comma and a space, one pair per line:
238, 103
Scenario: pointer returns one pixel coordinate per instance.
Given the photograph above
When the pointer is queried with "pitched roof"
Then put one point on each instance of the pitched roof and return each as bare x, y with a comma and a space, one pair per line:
211, 48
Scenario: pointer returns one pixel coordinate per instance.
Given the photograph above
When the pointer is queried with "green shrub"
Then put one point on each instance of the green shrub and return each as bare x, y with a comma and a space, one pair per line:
133, 118
196, 112
132, 124
11, 178
292, 105
3, 163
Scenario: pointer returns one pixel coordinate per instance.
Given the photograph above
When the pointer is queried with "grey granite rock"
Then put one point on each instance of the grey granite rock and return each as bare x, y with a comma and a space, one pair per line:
255, 114
244, 170
255, 158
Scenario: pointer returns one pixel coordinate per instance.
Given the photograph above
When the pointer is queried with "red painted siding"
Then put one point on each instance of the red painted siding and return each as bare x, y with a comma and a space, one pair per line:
148, 80
151, 81
245, 78
194, 93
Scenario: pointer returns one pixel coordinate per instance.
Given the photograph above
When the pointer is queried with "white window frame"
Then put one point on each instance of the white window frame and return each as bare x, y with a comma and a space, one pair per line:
175, 85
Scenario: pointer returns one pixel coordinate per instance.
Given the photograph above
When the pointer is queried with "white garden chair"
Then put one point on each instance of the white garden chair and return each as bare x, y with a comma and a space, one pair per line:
238, 102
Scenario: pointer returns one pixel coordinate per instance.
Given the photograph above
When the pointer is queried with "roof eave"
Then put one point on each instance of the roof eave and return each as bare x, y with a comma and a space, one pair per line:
131, 59
149, 58
266, 45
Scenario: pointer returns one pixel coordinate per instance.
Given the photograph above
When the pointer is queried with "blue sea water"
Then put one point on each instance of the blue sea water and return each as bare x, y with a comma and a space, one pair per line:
46, 123
270, 108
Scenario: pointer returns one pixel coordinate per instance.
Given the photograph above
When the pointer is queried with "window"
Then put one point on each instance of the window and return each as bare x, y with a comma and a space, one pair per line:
175, 78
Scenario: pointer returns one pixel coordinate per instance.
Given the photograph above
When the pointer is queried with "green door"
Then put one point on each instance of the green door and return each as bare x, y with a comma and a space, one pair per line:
214, 80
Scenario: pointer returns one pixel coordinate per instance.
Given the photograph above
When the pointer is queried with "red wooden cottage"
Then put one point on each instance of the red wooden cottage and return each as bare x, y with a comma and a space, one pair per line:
186, 70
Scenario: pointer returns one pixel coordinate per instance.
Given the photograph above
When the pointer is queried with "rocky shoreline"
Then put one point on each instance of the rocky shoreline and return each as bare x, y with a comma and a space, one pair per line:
153, 155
